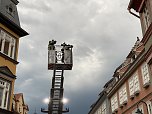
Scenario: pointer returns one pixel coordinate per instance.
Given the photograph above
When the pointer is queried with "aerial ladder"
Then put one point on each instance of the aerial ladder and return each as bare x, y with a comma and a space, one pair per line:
59, 59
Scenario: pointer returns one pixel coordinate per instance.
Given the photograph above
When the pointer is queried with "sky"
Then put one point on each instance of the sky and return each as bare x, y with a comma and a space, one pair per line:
102, 33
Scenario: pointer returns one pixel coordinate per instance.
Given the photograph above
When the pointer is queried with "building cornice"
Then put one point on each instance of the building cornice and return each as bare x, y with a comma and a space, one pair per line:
8, 58
11, 25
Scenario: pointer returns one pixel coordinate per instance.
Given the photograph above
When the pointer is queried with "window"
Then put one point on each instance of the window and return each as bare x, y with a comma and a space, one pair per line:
99, 111
131, 86
146, 17
149, 105
10, 10
13, 105
4, 94
145, 74
134, 85
1, 95
7, 44
114, 103
123, 95
6, 47
103, 108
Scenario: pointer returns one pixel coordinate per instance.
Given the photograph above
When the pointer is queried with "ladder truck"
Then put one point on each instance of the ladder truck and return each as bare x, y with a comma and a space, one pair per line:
59, 59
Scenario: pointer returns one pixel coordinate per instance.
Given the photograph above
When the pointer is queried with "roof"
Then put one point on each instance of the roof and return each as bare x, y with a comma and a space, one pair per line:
18, 95
26, 107
15, 1
137, 44
108, 82
11, 25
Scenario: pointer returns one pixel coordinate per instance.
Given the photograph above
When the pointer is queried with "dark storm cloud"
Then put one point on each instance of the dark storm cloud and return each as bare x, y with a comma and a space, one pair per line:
102, 32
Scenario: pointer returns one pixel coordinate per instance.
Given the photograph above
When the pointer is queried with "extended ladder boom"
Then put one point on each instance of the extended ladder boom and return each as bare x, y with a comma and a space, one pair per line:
56, 94
59, 59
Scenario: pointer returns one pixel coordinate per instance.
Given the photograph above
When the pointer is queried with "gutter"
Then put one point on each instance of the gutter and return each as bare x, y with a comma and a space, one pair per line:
133, 13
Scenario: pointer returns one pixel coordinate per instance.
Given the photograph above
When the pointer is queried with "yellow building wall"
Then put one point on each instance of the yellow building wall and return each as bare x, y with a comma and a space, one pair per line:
9, 64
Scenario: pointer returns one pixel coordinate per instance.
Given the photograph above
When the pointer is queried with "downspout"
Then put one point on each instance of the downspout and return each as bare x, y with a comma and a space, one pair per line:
133, 13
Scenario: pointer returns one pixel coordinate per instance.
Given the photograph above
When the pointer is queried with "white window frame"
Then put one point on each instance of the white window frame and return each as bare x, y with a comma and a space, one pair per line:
131, 85
99, 110
145, 74
149, 105
136, 82
114, 103
146, 15
6, 87
123, 95
103, 108
120, 97
5, 37
134, 85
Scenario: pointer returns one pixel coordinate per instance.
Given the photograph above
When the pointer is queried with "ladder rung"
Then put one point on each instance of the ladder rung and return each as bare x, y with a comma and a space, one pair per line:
56, 89
57, 86
58, 78
58, 75
58, 70
56, 99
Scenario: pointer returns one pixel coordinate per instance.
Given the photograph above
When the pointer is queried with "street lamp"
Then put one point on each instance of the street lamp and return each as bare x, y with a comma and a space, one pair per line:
140, 111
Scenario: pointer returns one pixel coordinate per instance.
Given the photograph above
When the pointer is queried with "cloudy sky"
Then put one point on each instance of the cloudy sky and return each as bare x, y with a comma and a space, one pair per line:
102, 33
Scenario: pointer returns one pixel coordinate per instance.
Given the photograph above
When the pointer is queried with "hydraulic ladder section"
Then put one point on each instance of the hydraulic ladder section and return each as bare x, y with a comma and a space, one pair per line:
57, 92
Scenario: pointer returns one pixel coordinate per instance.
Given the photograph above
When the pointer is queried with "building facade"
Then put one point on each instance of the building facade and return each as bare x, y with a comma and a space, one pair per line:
102, 105
131, 93
10, 33
134, 85
19, 106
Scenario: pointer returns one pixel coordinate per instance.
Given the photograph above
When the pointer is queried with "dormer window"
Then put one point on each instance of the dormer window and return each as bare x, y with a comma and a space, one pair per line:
10, 10
7, 44
133, 58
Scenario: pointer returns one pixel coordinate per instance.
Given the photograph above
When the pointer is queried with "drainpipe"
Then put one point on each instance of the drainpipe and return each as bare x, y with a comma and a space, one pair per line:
133, 13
